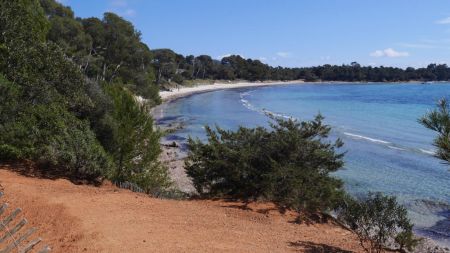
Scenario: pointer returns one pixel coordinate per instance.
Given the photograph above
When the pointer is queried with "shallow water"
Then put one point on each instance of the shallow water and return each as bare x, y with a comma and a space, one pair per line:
387, 149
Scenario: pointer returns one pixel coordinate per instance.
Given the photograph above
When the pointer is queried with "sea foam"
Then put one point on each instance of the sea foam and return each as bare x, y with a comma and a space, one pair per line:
366, 138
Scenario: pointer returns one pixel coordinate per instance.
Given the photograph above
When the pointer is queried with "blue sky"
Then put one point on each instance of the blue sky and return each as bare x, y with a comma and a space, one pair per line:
291, 32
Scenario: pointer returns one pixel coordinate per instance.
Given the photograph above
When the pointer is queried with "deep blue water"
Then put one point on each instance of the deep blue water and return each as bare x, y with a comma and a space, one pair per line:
387, 149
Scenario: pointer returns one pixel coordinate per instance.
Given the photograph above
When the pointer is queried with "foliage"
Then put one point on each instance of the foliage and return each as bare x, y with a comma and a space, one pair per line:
41, 69
169, 64
438, 120
105, 50
53, 114
136, 143
289, 164
43, 94
22, 21
378, 221
52, 137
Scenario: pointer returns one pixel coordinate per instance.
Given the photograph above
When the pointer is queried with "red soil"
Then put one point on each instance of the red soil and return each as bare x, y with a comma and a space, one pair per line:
80, 218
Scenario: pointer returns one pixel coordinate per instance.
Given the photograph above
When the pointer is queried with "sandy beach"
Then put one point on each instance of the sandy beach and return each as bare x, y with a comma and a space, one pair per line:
185, 91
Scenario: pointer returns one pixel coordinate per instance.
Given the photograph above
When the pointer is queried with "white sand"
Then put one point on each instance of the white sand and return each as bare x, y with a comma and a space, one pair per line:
184, 91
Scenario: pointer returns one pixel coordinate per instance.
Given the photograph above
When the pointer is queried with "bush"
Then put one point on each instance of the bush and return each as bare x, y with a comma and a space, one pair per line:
8, 153
438, 120
52, 137
378, 221
288, 165
136, 144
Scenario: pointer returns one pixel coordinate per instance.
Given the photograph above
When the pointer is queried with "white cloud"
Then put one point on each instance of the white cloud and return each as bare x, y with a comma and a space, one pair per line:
444, 21
284, 54
388, 52
263, 59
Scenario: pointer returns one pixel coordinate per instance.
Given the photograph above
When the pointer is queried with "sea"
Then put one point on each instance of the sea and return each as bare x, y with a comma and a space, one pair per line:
387, 149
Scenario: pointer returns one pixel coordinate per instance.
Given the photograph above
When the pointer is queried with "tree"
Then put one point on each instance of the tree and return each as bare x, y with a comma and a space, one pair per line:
378, 220
288, 165
105, 50
136, 143
166, 64
438, 120
46, 95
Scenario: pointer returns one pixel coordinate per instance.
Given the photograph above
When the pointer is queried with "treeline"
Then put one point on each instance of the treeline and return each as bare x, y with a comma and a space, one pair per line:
67, 95
110, 49
172, 67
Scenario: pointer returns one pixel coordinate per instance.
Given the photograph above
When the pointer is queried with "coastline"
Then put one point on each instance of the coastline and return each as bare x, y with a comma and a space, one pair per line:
168, 96
175, 157
184, 91
172, 156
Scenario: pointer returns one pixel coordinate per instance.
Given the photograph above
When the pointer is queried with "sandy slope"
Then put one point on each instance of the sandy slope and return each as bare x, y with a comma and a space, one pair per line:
79, 218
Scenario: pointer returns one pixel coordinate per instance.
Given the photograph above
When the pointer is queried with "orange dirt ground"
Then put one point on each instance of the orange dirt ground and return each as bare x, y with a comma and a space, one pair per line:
80, 218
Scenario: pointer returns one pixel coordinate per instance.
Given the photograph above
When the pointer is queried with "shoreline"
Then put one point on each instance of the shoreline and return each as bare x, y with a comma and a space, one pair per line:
174, 157
168, 96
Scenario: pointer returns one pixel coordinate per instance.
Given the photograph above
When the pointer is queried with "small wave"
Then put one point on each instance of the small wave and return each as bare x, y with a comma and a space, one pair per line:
396, 148
388, 144
366, 138
246, 103
251, 107
280, 115
426, 151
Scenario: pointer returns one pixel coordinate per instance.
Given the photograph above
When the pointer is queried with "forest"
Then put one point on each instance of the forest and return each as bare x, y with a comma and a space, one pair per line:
68, 91
172, 67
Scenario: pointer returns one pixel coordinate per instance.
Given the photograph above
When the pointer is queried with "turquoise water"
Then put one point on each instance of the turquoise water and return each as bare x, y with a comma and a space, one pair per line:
387, 149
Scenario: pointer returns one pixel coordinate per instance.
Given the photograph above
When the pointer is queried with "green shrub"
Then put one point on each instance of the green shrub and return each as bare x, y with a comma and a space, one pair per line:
8, 153
136, 143
52, 137
378, 221
289, 165
438, 120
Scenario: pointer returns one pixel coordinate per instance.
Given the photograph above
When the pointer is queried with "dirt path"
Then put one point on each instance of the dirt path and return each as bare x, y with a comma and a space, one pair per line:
79, 218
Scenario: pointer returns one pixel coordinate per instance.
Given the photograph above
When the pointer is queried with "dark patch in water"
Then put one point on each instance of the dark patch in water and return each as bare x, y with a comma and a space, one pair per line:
439, 231
426, 206
442, 227
173, 137
167, 118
